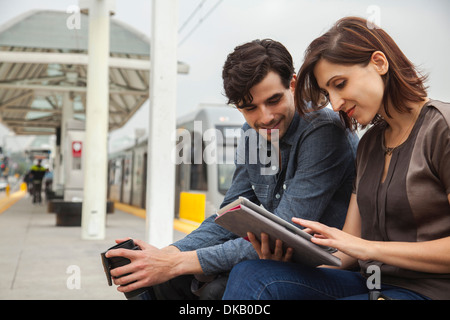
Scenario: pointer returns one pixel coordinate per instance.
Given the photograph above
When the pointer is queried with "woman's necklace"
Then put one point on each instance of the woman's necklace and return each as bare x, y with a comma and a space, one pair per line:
388, 151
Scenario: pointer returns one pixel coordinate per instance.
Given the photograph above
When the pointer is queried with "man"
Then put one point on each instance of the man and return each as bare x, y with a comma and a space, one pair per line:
312, 177
37, 174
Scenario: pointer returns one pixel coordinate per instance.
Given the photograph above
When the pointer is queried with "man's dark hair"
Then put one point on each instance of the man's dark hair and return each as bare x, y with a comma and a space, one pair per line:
250, 63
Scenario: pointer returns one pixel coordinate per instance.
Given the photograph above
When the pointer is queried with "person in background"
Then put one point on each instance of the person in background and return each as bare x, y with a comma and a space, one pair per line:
37, 172
48, 182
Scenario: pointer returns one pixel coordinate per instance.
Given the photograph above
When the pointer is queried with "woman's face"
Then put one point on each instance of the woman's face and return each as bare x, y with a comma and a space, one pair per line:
354, 89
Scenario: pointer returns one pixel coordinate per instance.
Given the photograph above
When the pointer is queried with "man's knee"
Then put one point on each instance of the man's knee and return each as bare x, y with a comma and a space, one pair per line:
215, 289
178, 288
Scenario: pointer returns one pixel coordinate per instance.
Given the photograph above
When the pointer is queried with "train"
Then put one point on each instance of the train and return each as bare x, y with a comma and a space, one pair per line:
205, 144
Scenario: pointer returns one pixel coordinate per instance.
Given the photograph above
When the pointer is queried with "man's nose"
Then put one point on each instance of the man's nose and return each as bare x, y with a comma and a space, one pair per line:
266, 116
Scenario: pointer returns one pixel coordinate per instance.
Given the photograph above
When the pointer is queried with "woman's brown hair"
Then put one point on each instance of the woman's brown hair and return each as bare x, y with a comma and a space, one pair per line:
351, 41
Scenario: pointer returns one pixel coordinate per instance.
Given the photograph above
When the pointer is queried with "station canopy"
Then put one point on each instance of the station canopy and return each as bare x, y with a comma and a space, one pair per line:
43, 64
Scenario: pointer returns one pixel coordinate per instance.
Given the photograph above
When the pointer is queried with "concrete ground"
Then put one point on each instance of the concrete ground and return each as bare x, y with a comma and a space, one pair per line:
41, 261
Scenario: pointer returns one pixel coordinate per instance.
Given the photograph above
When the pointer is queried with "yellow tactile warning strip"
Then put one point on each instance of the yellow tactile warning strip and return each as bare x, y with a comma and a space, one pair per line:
181, 225
185, 226
8, 201
138, 212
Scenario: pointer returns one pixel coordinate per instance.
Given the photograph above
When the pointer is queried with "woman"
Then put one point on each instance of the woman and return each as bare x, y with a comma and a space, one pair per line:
398, 221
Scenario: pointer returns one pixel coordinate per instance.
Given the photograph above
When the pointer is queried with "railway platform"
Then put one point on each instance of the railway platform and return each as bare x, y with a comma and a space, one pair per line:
40, 261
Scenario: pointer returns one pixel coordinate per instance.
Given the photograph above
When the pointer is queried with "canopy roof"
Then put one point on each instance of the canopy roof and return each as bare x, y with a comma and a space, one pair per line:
43, 63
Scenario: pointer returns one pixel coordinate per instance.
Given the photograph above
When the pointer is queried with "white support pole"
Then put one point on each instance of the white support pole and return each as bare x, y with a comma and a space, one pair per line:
94, 149
163, 93
67, 114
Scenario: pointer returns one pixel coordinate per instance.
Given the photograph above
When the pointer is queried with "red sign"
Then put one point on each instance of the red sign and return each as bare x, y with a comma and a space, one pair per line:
77, 146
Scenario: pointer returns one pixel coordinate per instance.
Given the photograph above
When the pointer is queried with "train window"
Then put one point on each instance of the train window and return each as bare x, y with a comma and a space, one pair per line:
76, 163
225, 168
198, 177
225, 175
230, 134
118, 171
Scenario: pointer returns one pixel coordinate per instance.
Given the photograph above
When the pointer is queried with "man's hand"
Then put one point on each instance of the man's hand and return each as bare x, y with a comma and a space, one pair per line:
263, 248
151, 266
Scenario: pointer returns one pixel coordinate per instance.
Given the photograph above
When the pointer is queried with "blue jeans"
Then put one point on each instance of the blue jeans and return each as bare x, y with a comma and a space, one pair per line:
273, 280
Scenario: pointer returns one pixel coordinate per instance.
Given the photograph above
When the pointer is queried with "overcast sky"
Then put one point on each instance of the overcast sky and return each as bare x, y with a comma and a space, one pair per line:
420, 27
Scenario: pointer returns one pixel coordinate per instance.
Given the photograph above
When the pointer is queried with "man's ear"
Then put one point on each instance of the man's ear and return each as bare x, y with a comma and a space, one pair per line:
380, 62
293, 83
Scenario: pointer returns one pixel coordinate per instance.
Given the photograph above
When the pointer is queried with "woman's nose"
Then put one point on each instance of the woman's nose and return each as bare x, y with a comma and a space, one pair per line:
336, 103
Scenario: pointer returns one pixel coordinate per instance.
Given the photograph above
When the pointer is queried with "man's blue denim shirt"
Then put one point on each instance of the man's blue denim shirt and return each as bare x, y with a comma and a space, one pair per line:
315, 183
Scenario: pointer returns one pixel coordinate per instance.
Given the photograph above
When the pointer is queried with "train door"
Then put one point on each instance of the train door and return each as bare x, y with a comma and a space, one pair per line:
192, 180
127, 178
144, 183
115, 179
139, 178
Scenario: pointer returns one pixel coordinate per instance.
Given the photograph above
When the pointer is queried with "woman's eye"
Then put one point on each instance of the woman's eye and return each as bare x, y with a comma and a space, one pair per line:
341, 84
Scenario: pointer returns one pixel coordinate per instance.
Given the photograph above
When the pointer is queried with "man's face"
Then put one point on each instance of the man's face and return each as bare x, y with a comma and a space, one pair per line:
272, 107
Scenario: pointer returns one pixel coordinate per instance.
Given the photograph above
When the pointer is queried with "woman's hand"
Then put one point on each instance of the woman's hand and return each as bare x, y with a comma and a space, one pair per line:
332, 237
263, 248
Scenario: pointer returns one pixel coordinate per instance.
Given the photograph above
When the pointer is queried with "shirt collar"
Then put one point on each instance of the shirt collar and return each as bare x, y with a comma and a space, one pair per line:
290, 135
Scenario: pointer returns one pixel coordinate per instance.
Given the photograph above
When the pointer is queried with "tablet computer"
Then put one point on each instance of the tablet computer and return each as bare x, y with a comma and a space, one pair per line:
242, 216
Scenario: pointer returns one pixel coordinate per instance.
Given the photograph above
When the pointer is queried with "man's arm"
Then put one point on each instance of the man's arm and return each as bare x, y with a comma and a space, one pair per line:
218, 249
209, 233
151, 266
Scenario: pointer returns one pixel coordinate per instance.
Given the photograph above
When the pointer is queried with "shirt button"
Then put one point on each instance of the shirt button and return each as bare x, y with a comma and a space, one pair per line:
277, 196
253, 187
284, 187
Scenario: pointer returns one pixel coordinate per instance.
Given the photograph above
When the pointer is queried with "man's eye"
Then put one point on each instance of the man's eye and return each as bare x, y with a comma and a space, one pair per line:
248, 108
275, 100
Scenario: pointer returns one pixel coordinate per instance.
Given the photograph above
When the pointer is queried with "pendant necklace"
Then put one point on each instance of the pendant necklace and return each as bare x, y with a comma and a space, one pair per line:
387, 150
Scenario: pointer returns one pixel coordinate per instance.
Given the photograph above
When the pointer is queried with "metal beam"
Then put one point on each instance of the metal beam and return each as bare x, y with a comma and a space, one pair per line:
78, 59
16, 99
34, 123
21, 131
64, 88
